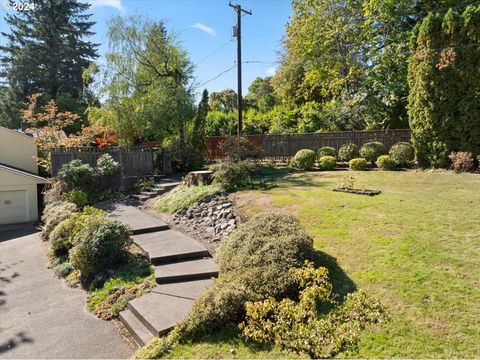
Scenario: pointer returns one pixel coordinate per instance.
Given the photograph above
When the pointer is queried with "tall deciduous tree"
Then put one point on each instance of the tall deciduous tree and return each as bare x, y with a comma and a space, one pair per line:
444, 80
46, 50
147, 80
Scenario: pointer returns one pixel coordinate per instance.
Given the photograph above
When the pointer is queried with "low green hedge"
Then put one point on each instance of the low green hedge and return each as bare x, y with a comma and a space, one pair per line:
358, 164
304, 159
327, 151
385, 162
327, 163
372, 150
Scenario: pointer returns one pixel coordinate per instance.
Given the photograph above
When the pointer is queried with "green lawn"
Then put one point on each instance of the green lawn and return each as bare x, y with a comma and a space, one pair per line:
416, 246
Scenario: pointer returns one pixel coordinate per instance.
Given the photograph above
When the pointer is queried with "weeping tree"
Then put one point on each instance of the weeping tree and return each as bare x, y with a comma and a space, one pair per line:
146, 83
444, 81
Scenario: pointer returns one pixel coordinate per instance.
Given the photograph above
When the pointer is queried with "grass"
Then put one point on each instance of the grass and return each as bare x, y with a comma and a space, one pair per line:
183, 197
415, 246
107, 298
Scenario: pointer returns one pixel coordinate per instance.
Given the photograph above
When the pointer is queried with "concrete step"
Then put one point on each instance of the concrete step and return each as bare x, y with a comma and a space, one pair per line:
168, 185
166, 305
186, 270
149, 194
170, 245
133, 324
139, 222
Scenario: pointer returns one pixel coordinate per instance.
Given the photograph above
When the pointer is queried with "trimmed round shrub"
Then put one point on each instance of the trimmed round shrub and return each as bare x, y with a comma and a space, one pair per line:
385, 162
327, 163
327, 151
304, 159
402, 153
100, 244
232, 174
53, 214
372, 150
254, 264
348, 152
358, 164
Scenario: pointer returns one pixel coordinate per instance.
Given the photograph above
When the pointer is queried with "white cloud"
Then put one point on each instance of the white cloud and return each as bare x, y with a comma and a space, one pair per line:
205, 28
271, 71
117, 4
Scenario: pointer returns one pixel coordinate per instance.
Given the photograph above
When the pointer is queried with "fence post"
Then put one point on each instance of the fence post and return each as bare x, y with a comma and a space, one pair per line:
120, 159
167, 161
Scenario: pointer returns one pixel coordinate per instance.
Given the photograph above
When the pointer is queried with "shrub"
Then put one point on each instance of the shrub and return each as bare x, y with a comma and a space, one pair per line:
238, 149
54, 214
372, 150
78, 197
358, 164
182, 197
327, 151
63, 269
100, 244
106, 166
254, 264
402, 153
462, 161
76, 174
348, 152
232, 174
385, 162
186, 158
54, 191
327, 163
62, 238
304, 326
304, 159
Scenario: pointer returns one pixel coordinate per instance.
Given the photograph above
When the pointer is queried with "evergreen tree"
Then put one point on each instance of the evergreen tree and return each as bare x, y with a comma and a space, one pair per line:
198, 130
444, 83
46, 50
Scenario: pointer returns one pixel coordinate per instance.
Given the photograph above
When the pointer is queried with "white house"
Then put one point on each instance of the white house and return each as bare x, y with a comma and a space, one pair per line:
18, 177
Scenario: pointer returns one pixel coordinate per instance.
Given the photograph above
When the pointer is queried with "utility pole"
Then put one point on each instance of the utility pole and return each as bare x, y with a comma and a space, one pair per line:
238, 34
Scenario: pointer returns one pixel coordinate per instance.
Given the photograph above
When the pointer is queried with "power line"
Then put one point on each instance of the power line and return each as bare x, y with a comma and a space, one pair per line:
213, 52
217, 76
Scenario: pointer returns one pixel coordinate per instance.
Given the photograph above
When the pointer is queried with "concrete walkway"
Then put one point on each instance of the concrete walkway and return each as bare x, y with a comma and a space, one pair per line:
40, 317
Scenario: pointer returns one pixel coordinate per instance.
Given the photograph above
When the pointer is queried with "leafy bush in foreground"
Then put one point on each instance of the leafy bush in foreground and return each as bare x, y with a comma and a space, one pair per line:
53, 214
99, 244
78, 197
372, 150
385, 162
304, 159
182, 197
327, 163
232, 174
62, 238
403, 153
306, 325
347, 152
462, 161
76, 174
358, 164
327, 151
255, 262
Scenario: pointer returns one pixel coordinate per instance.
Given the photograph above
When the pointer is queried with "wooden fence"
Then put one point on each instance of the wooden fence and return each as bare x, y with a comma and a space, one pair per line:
283, 147
135, 162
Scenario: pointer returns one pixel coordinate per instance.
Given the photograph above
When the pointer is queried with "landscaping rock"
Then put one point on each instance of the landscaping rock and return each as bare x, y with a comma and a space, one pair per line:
213, 218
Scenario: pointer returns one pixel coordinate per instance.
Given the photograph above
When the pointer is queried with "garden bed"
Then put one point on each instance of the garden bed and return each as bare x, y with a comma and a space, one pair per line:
358, 191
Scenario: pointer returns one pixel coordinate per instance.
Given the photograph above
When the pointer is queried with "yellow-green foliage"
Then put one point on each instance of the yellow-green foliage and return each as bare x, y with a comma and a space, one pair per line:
314, 324
304, 159
183, 197
385, 162
53, 214
327, 163
358, 164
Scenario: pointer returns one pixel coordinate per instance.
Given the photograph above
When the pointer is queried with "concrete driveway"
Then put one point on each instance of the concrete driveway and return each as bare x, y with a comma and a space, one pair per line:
40, 317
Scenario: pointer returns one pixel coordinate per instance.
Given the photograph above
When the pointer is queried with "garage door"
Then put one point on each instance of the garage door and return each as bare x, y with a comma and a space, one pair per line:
13, 206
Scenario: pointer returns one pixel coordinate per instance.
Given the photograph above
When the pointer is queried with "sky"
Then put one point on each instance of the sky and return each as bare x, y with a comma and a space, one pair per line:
204, 26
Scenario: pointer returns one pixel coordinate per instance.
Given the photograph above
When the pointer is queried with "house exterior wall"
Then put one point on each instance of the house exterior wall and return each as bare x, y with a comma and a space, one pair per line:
18, 150
13, 182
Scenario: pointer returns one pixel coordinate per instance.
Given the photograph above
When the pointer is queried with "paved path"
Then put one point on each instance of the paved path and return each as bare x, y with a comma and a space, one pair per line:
40, 317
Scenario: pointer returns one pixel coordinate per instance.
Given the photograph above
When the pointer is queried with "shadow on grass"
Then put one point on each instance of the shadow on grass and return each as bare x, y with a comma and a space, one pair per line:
341, 282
